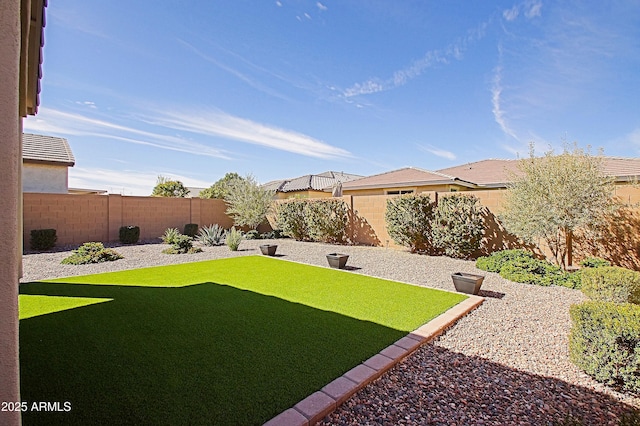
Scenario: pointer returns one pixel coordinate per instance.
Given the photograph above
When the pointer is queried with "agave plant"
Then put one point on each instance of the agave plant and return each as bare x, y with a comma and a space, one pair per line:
171, 235
211, 235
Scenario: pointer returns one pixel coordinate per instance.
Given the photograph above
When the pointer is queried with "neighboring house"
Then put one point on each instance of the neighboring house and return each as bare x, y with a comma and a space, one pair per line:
479, 175
309, 186
408, 180
496, 173
45, 164
194, 192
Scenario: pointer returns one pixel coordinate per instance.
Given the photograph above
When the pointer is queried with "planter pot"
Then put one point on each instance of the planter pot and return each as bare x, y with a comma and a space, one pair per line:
467, 283
337, 260
268, 249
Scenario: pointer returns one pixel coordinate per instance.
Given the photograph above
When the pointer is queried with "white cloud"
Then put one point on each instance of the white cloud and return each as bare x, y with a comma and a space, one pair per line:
496, 99
64, 123
511, 14
278, 4
417, 68
221, 124
530, 8
306, 15
534, 9
321, 6
250, 81
437, 152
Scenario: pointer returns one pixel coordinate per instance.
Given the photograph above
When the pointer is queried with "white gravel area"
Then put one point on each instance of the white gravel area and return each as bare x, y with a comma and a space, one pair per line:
507, 362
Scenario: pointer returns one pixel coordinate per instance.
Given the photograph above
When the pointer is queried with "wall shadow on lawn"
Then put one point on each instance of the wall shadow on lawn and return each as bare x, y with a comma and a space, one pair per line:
201, 354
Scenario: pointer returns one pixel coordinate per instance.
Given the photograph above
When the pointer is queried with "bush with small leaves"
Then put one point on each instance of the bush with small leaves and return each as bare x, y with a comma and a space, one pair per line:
182, 244
520, 266
211, 235
272, 235
234, 237
327, 220
43, 239
409, 219
605, 342
290, 217
129, 234
498, 259
252, 235
170, 235
91, 253
594, 262
458, 225
611, 284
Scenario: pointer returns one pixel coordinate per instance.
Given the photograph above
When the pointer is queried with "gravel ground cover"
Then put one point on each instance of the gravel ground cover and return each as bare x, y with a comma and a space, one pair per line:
505, 363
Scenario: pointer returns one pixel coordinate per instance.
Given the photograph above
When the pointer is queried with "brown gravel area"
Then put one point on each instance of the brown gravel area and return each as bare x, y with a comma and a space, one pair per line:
505, 363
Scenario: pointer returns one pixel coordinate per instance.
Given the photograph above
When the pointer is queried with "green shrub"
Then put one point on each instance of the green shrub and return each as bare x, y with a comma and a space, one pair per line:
327, 220
252, 235
234, 237
594, 262
458, 225
211, 235
43, 239
191, 229
408, 220
520, 266
290, 218
170, 235
605, 342
91, 253
129, 234
182, 244
497, 260
530, 271
271, 235
611, 284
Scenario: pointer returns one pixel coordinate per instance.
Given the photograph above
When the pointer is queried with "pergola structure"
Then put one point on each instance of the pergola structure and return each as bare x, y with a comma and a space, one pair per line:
21, 32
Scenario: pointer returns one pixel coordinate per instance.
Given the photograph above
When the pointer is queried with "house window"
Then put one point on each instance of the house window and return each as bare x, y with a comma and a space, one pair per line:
400, 192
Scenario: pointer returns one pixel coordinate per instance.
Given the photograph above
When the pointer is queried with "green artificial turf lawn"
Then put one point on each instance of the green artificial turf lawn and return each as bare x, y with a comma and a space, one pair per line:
229, 341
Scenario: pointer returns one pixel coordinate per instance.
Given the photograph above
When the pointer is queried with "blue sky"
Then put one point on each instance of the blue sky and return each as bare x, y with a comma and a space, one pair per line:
284, 88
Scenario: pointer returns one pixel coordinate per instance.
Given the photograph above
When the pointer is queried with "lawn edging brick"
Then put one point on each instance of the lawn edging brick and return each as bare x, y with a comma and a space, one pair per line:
316, 406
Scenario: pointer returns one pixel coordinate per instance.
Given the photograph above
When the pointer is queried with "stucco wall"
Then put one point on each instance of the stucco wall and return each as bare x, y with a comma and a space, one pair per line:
44, 178
10, 160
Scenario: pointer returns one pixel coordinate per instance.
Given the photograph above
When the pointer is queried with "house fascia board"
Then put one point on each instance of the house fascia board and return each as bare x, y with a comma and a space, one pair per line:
50, 163
411, 184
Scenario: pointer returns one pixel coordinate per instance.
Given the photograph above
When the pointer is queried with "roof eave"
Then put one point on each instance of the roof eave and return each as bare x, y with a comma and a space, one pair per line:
411, 184
49, 162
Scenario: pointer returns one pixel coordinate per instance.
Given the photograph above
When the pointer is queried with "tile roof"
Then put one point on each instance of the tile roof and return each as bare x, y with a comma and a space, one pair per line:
46, 149
497, 173
491, 172
408, 176
317, 182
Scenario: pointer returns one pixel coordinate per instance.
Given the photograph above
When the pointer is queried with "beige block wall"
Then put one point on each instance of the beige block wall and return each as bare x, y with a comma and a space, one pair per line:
80, 219
212, 212
76, 219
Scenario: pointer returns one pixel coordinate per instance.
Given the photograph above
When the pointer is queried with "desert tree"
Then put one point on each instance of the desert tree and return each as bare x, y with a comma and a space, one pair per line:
220, 189
166, 187
552, 196
248, 203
